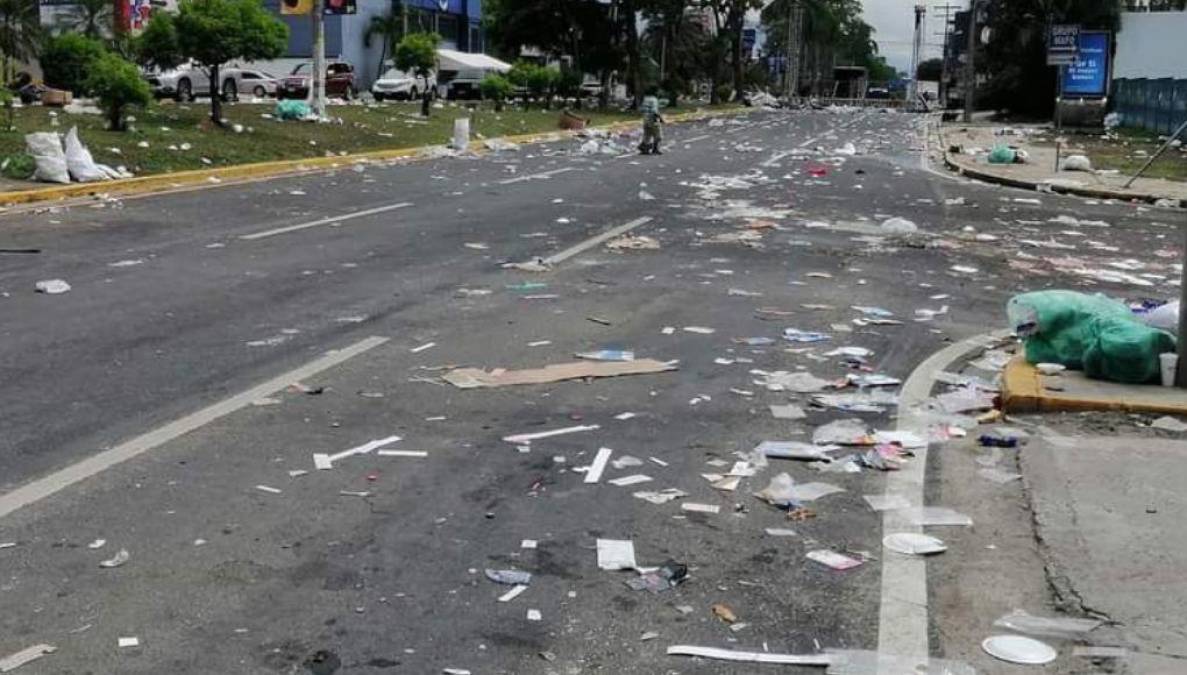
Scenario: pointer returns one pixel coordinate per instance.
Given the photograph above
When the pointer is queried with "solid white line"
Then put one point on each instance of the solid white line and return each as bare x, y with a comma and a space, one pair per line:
902, 621
324, 221
537, 176
598, 465
776, 158
694, 139
43, 487
594, 241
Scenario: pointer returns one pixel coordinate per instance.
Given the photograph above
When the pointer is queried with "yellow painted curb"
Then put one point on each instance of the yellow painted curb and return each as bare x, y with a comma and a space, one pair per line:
260, 170
1023, 392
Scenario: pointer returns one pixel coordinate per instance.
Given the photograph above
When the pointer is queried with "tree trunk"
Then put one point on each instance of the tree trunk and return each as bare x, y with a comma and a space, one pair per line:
604, 94
634, 58
736, 48
426, 100
115, 116
216, 98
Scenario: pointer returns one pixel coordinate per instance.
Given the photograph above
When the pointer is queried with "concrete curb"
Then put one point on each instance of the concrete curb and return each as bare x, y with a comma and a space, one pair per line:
232, 175
1023, 392
976, 173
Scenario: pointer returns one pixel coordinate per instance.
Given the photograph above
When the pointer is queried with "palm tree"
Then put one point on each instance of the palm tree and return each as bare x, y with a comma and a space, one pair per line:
20, 33
390, 28
88, 16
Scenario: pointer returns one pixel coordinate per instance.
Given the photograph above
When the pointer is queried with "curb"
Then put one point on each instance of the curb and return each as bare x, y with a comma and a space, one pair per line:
1096, 193
287, 167
1023, 392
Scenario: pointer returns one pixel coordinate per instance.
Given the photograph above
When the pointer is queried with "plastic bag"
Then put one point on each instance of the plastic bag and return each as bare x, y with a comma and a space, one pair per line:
1076, 163
1001, 154
292, 110
1165, 317
898, 225
79, 161
46, 149
461, 133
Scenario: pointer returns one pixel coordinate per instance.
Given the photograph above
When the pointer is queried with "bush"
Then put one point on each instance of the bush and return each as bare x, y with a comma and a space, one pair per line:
496, 88
117, 84
18, 167
66, 60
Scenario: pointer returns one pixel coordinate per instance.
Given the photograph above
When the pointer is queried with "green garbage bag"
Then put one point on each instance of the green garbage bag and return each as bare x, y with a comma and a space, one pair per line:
1092, 333
292, 110
1001, 154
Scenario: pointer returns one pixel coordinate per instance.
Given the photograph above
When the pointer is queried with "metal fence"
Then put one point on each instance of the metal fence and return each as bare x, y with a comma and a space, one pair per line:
1155, 105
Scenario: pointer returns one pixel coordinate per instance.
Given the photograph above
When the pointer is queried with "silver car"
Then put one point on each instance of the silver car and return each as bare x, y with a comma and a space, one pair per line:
248, 82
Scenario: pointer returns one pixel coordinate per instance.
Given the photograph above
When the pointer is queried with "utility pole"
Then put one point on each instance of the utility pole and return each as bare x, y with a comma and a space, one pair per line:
916, 51
795, 16
947, 10
970, 68
317, 86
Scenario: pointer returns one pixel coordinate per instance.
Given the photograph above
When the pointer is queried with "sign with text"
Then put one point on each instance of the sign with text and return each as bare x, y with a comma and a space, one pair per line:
1088, 75
1063, 41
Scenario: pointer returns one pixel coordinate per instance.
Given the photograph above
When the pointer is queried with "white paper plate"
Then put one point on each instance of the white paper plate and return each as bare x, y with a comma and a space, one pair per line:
1018, 649
911, 543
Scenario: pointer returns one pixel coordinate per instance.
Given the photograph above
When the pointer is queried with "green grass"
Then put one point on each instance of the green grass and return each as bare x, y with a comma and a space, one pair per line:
362, 128
1119, 154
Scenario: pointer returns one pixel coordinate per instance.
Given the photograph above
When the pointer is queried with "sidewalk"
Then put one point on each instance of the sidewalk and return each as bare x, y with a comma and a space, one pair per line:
1040, 169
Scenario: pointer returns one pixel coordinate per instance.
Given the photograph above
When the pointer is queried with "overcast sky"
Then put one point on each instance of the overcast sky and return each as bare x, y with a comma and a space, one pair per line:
894, 23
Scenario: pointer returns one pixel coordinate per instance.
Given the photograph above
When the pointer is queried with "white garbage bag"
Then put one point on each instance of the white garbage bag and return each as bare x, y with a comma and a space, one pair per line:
46, 149
1165, 317
899, 225
79, 161
461, 133
1112, 120
1077, 163
847, 149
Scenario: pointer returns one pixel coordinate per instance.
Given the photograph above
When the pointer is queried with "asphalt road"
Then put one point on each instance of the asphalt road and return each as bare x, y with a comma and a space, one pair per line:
179, 301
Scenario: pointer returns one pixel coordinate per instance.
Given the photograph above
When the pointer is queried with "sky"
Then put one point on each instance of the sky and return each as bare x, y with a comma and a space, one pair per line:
894, 25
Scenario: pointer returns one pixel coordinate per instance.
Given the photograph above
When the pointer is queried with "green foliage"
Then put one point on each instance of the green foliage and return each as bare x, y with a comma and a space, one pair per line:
117, 84
66, 59
18, 166
417, 53
568, 83
8, 102
930, 70
20, 31
521, 72
390, 28
833, 33
157, 46
213, 32
495, 87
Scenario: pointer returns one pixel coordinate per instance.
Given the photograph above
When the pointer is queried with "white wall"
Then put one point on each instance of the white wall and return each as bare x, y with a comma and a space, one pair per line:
1150, 45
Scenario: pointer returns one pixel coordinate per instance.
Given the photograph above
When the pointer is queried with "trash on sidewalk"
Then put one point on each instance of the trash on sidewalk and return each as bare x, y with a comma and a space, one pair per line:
509, 577
51, 286
1168, 423
899, 226
837, 561
633, 242
607, 355
913, 543
1002, 154
474, 378
1092, 333
795, 450
49, 157
292, 110
1057, 627
120, 558
27, 655
1018, 649
1076, 163
749, 657
616, 554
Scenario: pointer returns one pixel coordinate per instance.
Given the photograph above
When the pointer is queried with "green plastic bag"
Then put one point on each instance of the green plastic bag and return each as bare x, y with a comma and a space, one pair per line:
1092, 333
1001, 154
292, 110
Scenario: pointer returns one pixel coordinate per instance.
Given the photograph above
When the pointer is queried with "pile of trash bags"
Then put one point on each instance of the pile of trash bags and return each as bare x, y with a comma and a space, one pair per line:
1093, 333
61, 160
290, 109
1004, 154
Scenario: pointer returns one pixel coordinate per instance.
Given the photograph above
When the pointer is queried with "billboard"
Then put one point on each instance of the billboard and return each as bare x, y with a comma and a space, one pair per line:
1088, 75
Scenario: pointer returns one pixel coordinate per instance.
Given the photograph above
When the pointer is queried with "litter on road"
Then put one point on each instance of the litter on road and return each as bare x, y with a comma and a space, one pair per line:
120, 558
616, 554
509, 577
913, 543
837, 561
1018, 649
661, 497
51, 287
1056, 627
700, 508
474, 378
750, 657
24, 656
513, 593
528, 438
128, 642
630, 480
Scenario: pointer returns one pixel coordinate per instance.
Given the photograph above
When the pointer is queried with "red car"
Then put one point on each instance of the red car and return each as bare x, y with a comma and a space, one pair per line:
339, 81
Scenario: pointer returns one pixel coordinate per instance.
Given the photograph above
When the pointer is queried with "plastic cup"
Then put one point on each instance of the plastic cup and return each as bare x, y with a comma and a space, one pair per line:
1169, 363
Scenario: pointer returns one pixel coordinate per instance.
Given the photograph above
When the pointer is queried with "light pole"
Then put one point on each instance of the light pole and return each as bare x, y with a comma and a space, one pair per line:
970, 69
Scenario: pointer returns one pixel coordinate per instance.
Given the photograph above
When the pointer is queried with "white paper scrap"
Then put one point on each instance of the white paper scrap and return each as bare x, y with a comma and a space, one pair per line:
26, 655
129, 642
402, 453
634, 479
750, 657
265, 488
699, 508
616, 554
513, 593
887, 502
322, 461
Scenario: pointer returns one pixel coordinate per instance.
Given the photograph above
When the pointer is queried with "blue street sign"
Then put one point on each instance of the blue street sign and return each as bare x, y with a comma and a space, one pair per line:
1088, 75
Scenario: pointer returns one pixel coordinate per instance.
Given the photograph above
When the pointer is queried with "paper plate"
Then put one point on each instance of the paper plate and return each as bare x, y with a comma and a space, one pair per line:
911, 543
1018, 649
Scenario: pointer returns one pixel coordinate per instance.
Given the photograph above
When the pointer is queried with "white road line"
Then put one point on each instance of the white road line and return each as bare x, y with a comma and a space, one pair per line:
694, 139
325, 221
776, 158
594, 241
902, 620
537, 176
44, 487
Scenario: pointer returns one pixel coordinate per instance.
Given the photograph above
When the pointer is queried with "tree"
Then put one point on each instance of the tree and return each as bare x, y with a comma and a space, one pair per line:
417, 54
211, 33
496, 88
389, 28
88, 16
832, 33
117, 84
931, 70
66, 59
20, 33
538, 80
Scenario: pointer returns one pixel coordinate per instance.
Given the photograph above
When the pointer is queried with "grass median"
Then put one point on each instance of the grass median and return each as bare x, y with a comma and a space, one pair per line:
177, 137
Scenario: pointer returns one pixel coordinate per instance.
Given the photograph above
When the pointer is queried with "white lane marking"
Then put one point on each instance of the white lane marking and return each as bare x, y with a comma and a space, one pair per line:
537, 176
902, 620
694, 139
43, 487
775, 158
594, 241
847, 123
325, 221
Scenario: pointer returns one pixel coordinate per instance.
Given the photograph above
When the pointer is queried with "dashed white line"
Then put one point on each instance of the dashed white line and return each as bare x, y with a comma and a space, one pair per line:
694, 139
594, 241
537, 176
324, 221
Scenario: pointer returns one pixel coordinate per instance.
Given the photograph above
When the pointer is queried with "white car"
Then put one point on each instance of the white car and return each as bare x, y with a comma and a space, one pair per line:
182, 83
398, 84
246, 82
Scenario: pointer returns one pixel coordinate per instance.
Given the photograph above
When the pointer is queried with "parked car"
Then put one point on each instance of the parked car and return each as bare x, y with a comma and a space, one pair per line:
339, 81
400, 85
246, 82
182, 83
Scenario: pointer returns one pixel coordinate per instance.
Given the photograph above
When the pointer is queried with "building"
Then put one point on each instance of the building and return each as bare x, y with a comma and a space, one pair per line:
1149, 74
458, 22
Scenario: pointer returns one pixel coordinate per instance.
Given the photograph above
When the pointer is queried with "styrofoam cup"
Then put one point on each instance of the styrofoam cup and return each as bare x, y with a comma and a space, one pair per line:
1169, 363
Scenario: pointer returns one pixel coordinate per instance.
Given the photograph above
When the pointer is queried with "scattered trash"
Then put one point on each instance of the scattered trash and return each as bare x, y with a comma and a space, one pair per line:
512, 594
912, 543
121, 557
797, 335
97, 544
998, 439
749, 657
799, 382
270, 490
1050, 369
843, 432
667, 576
509, 577
52, 286
700, 508
1018, 649
634, 479
633, 242
724, 613
699, 330
49, 157
832, 559
794, 450
938, 516
899, 226
473, 378
128, 642
1168, 423
24, 656
661, 497
616, 554
787, 412
1076, 163
1056, 627
534, 615
779, 532
607, 355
